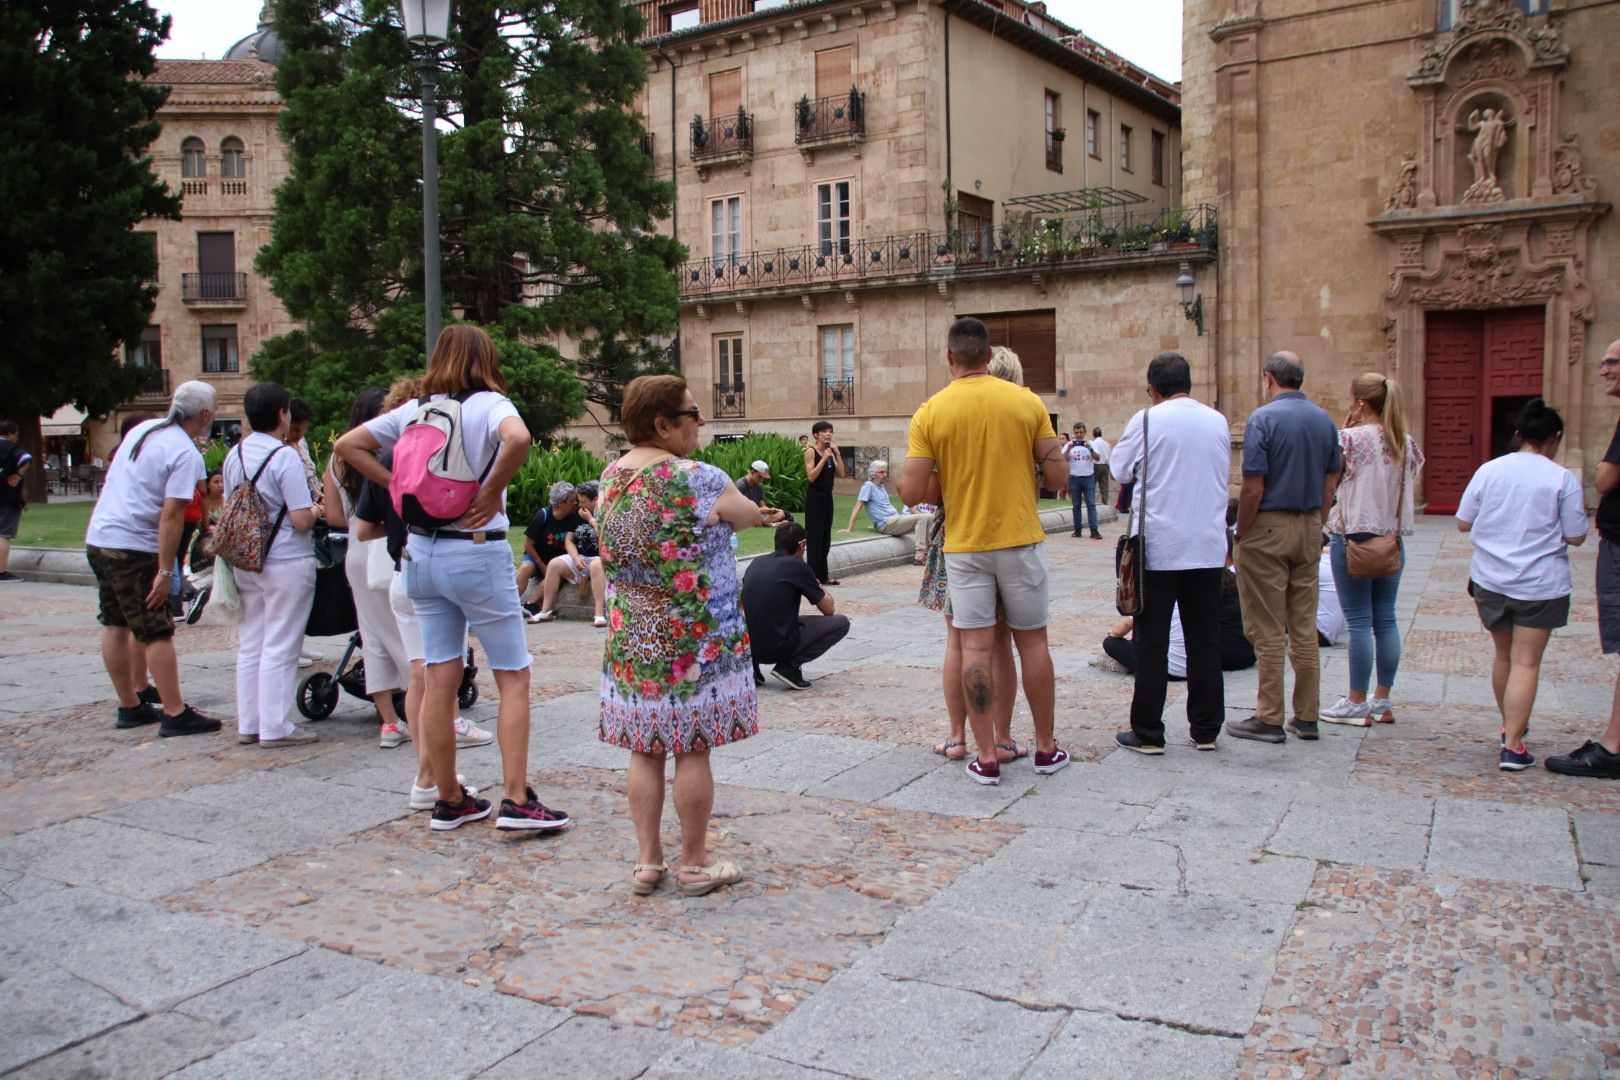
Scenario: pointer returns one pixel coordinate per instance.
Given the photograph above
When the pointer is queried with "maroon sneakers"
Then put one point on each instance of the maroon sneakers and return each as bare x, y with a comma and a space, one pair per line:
984, 772
1051, 763
530, 816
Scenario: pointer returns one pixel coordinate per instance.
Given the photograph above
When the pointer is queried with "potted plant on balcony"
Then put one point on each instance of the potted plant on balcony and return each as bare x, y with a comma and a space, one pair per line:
1058, 134
806, 113
857, 107
745, 128
700, 136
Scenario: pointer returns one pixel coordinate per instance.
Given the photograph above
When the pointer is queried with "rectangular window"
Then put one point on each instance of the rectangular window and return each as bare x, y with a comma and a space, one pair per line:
219, 349
1093, 125
838, 354
728, 362
681, 18
832, 216
1125, 147
1054, 132
725, 230
725, 94
975, 218
834, 73
148, 351
1156, 162
1033, 336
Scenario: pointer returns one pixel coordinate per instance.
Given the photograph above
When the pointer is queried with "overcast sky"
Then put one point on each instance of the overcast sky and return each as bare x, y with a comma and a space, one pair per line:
1147, 32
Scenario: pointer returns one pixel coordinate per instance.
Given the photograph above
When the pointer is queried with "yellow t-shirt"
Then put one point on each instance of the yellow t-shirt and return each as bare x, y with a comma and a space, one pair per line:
980, 432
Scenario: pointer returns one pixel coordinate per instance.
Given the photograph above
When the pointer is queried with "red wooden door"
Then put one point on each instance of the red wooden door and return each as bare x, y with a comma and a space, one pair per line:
1452, 370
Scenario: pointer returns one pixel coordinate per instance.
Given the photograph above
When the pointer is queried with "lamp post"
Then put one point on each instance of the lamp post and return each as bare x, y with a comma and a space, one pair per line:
427, 24
1191, 306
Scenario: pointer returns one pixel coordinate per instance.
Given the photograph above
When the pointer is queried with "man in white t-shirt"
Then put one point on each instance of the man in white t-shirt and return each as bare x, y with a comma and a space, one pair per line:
1102, 450
1178, 452
132, 541
1082, 462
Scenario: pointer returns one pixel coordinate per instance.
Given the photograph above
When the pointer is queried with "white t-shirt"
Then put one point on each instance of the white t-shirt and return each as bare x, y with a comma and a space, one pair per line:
282, 484
1522, 505
1187, 470
1178, 645
1330, 622
481, 417
1081, 461
1101, 448
170, 467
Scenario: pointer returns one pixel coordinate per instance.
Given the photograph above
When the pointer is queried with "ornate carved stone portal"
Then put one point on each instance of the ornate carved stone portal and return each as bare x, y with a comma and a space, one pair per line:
1491, 208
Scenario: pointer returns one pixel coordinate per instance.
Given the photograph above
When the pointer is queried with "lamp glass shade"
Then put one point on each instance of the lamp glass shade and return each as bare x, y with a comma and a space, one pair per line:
426, 21
1185, 285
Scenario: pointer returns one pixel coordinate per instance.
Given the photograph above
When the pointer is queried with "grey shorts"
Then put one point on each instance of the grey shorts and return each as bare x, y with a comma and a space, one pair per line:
10, 521
1016, 576
1608, 595
1500, 612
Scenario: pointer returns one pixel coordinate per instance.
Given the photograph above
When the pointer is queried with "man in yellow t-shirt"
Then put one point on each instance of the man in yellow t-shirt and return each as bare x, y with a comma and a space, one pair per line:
972, 446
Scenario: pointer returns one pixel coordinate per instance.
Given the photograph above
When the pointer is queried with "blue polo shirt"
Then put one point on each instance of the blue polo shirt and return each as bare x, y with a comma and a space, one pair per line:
1294, 445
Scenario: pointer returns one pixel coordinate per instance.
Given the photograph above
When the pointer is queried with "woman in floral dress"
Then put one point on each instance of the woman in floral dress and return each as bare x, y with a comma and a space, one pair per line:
677, 675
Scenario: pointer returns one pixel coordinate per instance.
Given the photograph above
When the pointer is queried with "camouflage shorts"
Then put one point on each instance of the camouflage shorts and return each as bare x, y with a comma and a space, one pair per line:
125, 578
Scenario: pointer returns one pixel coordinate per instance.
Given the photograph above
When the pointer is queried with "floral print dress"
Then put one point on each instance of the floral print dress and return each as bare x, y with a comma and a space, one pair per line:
677, 675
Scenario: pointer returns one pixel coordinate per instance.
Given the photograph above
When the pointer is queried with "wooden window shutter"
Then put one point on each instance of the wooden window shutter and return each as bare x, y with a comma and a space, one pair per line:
725, 93
1033, 336
834, 74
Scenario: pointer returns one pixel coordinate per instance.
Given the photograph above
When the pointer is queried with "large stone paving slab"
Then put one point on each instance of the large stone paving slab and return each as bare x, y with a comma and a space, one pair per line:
147, 1049
1103, 1047
1504, 843
1357, 826
43, 1009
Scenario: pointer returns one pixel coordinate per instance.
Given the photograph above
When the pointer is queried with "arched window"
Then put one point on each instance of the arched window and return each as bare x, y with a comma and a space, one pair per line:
193, 159
232, 163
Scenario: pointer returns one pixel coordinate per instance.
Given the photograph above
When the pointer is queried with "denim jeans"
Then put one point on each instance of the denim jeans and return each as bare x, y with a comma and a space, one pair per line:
1087, 486
1369, 612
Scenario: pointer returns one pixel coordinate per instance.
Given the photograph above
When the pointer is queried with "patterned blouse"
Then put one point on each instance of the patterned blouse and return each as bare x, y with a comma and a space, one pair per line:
1371, 481
677, 674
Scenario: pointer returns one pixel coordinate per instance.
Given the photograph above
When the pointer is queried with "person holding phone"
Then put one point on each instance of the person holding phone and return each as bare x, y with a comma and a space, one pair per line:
822, 465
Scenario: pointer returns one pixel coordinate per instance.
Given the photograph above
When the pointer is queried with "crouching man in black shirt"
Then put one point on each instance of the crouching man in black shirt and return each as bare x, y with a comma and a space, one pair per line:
770, 599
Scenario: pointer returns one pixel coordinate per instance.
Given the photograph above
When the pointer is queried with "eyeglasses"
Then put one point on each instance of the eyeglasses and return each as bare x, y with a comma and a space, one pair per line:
1609, 361
694, 412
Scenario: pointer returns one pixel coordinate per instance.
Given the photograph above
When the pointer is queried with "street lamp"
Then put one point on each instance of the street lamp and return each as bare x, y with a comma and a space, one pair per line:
1191, 306
427, 23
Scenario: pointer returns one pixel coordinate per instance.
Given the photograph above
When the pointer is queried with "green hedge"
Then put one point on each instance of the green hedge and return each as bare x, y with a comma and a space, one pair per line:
531, 487
785, 489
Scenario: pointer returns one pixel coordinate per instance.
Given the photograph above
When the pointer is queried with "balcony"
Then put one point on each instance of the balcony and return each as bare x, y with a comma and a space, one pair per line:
721, 140
1094, 239
194, 187
837, 396
214, 290
730, 402
1054, 150
830, 121
154, 389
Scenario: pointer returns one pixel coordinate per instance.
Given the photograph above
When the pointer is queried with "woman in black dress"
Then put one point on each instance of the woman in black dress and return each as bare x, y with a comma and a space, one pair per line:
822, 465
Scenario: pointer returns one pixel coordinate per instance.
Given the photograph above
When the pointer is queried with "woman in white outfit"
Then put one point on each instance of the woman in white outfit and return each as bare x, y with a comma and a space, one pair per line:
275, 601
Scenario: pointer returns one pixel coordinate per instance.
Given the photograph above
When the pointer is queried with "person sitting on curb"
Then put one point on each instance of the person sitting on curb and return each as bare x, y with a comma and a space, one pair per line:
580, 563
885, 519
752, 484
770, 600
543, 539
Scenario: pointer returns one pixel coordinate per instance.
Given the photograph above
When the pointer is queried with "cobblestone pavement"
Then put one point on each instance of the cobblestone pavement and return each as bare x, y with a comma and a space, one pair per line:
1380, 903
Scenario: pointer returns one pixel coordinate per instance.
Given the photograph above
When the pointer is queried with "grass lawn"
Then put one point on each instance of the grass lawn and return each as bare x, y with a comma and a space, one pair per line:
54, 525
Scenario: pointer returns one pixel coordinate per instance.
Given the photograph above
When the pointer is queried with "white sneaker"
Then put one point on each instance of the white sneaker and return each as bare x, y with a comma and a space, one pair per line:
470, 734
305, 660
1379, 709
423, 798
392, 735
1345, 711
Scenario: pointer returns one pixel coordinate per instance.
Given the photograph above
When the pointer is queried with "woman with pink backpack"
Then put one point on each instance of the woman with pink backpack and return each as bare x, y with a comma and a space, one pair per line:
455, 449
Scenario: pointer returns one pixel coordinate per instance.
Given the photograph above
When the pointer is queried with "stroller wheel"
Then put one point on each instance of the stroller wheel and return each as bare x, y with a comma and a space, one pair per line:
467, 696
317, 695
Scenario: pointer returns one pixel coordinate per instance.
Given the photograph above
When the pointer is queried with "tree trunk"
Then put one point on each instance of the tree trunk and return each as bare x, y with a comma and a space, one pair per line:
29, 439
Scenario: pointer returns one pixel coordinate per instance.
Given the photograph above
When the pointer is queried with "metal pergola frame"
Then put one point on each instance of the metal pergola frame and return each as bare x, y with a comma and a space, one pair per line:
1068, 202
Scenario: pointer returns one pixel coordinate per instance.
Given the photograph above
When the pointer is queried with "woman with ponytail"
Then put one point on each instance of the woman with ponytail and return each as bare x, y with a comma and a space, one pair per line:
1381, 466
1524, 511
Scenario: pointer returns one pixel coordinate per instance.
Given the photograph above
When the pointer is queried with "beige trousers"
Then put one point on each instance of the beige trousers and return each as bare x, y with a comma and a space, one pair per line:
1277, 564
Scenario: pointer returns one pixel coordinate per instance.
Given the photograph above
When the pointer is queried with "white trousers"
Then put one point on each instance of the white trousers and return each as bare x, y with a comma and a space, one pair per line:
388, 666
275, 607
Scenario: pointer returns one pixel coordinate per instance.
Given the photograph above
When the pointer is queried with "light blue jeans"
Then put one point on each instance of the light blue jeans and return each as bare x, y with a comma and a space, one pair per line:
1369, 613
455, 584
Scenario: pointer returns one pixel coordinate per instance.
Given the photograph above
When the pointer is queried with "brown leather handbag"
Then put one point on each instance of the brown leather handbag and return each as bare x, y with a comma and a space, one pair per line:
1368, 555
1130, 556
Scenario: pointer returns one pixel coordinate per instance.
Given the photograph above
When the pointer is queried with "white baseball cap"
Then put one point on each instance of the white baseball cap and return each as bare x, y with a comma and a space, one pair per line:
761, 467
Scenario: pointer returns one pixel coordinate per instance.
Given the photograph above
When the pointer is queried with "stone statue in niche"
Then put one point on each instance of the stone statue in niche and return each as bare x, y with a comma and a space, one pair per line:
1490, 128
1405, 195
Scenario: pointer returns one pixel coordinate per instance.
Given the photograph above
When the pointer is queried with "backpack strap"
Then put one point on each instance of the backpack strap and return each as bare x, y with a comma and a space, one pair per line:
241, 457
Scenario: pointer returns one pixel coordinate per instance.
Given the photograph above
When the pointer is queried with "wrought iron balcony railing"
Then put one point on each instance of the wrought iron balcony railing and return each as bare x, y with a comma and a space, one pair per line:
219, 290
155, 387
1073, 239
837, 396
730, 401
726, 136
830, 118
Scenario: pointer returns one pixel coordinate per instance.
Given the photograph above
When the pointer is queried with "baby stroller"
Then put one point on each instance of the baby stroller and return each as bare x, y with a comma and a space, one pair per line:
318, 692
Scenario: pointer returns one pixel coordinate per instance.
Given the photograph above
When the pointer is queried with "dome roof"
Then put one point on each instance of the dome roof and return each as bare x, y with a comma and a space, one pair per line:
262, 44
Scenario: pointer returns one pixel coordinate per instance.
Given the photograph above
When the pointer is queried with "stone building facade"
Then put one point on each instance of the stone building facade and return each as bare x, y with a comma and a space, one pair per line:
851, 177
220, 149
1445, 223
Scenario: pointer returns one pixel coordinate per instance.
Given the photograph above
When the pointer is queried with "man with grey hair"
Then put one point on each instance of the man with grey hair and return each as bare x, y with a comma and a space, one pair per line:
133, 538
1291, 466
544, 536
885, 518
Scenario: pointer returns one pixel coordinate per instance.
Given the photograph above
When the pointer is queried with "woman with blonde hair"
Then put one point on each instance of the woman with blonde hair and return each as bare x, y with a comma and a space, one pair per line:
461, 576
1381, 467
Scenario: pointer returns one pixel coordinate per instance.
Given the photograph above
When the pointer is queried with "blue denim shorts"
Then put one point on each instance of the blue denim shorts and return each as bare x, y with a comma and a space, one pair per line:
456, 584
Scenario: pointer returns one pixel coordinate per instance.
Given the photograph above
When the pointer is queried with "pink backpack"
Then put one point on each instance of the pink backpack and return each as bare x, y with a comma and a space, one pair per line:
433, 484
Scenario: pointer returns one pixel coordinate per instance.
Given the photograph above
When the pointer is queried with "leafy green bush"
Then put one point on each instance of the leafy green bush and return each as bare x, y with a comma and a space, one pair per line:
531, 487
785, 489
214, 454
